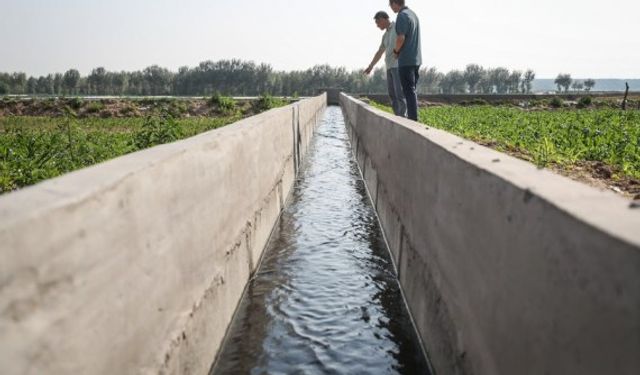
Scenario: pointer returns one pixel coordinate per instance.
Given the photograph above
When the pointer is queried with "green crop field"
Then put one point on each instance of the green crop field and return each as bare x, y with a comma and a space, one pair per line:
69, 134
559, 136
33, 149
564, 136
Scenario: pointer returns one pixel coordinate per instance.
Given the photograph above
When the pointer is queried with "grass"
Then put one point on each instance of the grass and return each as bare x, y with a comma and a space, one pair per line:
33, 149
55, 137
225, 104
266, 102
564, 137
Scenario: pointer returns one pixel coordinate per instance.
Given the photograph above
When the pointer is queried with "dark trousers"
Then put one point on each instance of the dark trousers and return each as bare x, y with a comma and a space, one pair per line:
409, 76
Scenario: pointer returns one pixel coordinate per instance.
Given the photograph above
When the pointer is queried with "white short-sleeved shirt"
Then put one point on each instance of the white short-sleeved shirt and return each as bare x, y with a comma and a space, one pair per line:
389, 43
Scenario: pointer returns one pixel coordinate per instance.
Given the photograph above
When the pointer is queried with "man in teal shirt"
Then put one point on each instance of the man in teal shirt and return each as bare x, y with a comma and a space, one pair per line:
408, 52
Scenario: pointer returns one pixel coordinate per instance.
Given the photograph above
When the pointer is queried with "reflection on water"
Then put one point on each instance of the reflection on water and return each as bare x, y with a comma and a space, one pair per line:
325, 299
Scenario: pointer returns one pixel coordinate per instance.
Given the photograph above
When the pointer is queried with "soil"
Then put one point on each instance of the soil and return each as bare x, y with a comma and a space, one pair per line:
119, 108
602, 176
594, 173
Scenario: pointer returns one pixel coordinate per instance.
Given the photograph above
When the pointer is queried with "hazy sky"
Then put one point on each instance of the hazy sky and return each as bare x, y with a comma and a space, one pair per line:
587, 38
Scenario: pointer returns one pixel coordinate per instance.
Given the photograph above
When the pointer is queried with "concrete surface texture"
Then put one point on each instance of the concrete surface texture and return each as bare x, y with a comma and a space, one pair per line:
497, 98
333, 95
507, 269
137, 265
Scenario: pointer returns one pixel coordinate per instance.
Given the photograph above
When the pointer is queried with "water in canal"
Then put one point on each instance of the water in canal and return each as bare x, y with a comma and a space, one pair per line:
325, 299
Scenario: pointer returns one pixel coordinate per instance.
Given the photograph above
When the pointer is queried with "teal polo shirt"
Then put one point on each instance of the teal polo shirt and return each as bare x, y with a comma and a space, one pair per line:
407, 24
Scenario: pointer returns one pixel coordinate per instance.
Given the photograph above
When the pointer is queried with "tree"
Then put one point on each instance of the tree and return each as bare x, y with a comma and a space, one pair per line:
5, 80
514, 81
83, 86
563, 81
472, 75
239, 77
527, 81
430, 79
32, 84
136, 83
264, 79
119, 82
18, 83
158, 80
589, 84
453, 83
499, 78
97, 80
485, 85
577, 86
44, 85
57, 83
182, 81
70, 81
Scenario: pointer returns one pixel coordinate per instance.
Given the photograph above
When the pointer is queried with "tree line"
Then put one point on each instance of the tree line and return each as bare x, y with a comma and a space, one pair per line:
237, 77
564, 82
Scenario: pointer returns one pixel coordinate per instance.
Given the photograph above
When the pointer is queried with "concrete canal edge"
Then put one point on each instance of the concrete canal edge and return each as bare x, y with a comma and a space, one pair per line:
507, 269
136, 265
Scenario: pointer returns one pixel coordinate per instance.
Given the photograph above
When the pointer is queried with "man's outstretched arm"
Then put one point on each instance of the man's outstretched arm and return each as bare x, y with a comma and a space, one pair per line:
375, 60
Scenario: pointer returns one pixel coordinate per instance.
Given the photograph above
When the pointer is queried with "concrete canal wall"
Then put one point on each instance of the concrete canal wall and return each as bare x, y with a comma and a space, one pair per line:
137, 265
500, 98
507, 269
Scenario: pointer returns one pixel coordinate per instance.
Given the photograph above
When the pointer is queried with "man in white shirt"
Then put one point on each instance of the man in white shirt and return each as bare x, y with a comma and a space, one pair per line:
394, 86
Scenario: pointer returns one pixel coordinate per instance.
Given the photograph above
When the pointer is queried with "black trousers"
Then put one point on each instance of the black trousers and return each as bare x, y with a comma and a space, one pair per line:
409, 76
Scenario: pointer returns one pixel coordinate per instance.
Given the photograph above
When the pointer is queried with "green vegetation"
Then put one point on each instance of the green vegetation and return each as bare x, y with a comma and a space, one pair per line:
225, 104
41, 139
95, 107
246, 78
266, 102
33, 149
556, 102
156, 131
585, 102
75, 103
563, 137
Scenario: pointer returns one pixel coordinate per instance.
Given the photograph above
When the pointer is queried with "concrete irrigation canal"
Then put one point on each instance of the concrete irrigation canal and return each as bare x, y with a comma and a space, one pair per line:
325, 299
318, 240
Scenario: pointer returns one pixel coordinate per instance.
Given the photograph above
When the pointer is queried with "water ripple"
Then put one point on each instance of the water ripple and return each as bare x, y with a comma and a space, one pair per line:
325, 300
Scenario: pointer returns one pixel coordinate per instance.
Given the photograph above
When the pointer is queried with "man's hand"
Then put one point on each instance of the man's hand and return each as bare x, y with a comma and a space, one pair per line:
399, 43
375, 60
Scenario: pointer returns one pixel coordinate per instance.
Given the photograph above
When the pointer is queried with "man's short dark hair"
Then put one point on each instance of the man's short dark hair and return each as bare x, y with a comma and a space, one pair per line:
399, 2
381, 14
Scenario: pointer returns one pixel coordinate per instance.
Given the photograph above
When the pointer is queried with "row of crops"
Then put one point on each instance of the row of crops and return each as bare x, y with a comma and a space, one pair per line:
33, 149
36, 148
591, 139
562, 137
